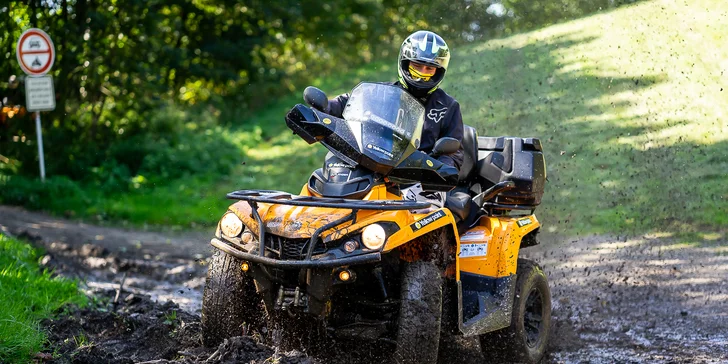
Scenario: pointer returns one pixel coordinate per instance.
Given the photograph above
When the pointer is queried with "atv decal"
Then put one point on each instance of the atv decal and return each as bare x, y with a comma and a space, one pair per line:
437, 114
379, 149
524, 222
427, 220
473, 250
340, 165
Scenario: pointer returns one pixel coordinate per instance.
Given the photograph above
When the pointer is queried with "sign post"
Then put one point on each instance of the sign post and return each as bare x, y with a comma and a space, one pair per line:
36, 54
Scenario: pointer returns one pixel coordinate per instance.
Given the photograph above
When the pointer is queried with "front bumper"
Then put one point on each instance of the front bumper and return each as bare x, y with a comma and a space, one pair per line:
324, 262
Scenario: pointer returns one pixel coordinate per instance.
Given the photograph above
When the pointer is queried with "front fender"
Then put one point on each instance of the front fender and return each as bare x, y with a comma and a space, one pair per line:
422, 225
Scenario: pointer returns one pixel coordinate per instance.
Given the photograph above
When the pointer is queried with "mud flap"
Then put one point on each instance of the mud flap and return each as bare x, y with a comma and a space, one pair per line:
484, 303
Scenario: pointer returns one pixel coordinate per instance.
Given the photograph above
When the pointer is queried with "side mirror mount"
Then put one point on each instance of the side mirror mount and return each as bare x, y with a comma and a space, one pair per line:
444, 146
316, 98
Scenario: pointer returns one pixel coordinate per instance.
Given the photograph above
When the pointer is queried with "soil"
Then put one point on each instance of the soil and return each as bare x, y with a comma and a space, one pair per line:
645, 299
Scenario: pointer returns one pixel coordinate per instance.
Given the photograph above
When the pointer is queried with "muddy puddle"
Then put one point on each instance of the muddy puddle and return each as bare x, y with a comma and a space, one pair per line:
647, 299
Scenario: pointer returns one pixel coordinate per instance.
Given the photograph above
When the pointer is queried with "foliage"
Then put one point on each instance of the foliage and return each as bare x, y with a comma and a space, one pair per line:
56, 194
27, 295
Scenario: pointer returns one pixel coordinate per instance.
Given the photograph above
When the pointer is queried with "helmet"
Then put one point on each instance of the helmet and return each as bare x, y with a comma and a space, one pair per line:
427, 48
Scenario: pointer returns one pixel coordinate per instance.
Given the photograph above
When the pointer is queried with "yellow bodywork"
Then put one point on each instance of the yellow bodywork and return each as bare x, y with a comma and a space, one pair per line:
491, 247
496, 241
301, 222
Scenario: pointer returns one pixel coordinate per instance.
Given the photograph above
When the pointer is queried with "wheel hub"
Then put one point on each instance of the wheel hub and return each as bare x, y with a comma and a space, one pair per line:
533, 317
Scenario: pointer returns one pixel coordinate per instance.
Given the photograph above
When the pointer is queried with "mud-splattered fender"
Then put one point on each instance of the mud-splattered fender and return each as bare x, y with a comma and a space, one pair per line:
421, 225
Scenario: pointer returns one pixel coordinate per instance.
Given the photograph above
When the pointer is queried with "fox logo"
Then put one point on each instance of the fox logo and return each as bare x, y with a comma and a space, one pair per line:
437, 114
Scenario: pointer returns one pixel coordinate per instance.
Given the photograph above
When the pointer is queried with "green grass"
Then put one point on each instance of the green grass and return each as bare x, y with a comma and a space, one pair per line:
630, 106
27, 295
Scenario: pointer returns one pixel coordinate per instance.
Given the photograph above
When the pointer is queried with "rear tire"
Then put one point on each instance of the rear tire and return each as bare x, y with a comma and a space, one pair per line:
527, 338
418, 336
229, 302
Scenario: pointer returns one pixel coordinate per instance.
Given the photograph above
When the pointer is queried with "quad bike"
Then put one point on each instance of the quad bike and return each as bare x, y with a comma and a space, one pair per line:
351, 254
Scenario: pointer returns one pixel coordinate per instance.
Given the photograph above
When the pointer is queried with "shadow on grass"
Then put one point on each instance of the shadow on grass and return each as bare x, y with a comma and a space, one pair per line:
597, 182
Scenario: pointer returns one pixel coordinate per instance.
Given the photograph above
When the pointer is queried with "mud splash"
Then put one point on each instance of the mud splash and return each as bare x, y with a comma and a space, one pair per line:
140, 330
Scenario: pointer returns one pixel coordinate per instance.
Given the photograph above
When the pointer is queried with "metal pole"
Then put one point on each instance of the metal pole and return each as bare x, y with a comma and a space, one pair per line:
40, 146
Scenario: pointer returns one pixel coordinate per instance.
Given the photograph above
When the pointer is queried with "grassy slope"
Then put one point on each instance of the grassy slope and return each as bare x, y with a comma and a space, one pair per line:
629, 105
27, 295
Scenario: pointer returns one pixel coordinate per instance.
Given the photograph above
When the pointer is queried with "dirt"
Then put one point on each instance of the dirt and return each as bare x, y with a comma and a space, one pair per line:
646, 299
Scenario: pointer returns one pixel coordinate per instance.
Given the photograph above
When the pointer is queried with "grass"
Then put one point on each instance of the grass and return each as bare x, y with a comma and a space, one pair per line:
628, 103
27, 295
630, 106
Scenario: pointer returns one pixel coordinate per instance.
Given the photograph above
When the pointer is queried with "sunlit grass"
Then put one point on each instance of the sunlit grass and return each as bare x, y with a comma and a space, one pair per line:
27, 295
631, 109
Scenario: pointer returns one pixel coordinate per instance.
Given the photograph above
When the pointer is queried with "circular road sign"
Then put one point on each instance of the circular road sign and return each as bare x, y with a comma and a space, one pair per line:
35, 52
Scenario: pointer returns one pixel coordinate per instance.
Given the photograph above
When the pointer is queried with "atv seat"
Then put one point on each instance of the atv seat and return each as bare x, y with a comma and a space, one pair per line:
459, 200
470, 154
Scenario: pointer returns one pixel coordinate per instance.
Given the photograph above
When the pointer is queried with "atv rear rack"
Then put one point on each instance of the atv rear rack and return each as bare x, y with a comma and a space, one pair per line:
253, 197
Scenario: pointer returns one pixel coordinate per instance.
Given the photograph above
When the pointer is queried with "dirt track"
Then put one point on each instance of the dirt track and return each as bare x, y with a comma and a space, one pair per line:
639, 299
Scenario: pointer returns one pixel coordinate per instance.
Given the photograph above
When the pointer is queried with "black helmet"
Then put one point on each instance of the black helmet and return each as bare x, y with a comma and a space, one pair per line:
427, 48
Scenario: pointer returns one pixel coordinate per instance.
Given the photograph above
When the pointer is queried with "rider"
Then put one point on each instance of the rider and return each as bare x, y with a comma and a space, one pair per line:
423, 60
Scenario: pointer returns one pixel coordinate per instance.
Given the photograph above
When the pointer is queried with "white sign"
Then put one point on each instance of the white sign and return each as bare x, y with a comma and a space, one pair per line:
39, 93
477, 235
35, 52
473, 250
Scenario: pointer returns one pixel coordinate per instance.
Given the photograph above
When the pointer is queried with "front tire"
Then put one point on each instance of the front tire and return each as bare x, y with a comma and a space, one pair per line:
527, 337
418, 336
229, 301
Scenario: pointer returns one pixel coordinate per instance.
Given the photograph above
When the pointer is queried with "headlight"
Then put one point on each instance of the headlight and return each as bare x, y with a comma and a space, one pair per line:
231, 225
373, 236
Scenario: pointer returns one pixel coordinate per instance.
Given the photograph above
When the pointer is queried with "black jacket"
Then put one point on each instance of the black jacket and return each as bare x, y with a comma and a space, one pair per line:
442, 119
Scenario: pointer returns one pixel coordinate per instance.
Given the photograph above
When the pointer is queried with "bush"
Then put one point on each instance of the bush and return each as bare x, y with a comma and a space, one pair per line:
57, 193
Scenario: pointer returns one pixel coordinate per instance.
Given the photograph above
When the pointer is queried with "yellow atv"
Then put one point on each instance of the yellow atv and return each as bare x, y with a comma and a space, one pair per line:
350, 254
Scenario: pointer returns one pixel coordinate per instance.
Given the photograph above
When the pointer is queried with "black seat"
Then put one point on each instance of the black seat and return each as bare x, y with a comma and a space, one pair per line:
470, 153
459, 200
497, 158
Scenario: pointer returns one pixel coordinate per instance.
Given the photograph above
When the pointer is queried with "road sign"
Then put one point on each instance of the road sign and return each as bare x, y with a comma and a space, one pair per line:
35, 52
39, 93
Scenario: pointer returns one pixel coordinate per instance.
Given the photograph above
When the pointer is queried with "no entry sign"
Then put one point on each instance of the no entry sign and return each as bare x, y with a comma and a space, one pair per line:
35, 52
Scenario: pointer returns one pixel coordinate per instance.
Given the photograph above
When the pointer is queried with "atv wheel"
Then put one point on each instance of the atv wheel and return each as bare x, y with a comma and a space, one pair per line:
420, 310
229, 300
527, 337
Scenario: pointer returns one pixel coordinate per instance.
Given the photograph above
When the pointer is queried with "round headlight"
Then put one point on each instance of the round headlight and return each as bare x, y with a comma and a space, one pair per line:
230, 225
373, 236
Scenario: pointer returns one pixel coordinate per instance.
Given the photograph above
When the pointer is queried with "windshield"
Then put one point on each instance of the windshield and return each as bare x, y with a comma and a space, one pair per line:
386, 121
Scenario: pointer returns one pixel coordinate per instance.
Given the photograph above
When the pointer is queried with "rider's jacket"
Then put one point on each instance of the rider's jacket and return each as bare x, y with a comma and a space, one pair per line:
442, 119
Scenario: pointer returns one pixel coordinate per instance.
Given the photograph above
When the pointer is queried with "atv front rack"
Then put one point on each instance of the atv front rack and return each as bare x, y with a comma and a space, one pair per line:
253, 197
284, 198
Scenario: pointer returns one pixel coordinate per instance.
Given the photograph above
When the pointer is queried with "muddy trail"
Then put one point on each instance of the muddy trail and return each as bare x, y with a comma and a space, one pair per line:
645, 299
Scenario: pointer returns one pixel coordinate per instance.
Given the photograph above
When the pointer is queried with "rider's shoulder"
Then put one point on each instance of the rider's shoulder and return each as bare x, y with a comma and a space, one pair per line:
443, 97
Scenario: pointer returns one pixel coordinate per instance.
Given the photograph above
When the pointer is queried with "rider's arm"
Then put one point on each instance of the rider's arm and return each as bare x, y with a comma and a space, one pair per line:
336, 105
453, 127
